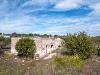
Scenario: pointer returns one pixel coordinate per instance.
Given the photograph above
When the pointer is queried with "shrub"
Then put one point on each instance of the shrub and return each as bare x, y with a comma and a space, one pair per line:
68, 61
80, 44
25, 47
98, 50
1, 52
2, 43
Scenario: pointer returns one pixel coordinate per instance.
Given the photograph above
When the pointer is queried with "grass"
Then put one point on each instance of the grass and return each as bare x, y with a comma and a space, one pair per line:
69, 65
12, 65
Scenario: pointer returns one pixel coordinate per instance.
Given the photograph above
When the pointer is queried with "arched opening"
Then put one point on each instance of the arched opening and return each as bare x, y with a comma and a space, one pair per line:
52, 46
46, 48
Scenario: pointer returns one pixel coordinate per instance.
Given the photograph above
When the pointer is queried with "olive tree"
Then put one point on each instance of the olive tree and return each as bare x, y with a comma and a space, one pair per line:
80, 44
25, 47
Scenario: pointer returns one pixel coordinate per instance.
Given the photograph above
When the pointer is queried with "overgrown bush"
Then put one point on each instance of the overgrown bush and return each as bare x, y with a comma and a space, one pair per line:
98, 50
1, 52
68, 61
2, 43
79, 43
25, 47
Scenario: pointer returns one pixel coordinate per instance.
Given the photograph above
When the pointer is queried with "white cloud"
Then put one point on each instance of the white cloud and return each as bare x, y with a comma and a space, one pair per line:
22, 23
63, 26
18, 21
68, 4
96, 9
37, 3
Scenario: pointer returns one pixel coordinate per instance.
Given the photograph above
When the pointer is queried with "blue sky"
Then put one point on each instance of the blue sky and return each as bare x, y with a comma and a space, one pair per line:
50, 16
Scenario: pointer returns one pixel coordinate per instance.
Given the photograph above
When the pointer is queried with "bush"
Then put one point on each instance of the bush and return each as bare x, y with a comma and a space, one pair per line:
25, 47
2, 43
68, 61
1, 52
80, 44
98, 50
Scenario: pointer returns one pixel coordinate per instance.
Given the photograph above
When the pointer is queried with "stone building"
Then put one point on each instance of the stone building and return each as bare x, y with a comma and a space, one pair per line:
43, 45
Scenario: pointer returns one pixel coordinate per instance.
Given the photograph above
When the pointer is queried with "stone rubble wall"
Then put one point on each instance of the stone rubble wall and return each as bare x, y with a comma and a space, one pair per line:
43, 45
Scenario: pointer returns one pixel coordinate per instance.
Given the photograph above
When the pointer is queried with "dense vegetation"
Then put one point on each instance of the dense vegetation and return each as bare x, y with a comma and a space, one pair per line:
4, 44
68, 61
79, 43
25, 47
32, 35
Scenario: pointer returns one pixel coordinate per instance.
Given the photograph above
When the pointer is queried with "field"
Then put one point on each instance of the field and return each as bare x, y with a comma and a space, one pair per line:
12, 65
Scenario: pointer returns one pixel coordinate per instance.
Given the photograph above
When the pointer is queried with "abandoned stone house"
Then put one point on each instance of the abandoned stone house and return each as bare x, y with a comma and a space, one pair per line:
43, 45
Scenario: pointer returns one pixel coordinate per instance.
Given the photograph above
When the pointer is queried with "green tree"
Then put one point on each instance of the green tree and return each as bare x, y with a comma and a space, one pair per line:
45, 35
30, 34
79, 43
14, 34
26, 47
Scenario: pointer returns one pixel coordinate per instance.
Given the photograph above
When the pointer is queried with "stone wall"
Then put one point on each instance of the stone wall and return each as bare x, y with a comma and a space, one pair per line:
43, 45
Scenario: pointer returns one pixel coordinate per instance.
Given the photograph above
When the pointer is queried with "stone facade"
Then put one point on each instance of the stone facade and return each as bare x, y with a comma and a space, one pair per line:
43, 45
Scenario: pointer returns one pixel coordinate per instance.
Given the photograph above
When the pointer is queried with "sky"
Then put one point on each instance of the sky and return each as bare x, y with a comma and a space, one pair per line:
50, 16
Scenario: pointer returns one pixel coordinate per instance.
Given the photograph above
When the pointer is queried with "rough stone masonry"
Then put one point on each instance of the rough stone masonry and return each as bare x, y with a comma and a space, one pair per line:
43, 45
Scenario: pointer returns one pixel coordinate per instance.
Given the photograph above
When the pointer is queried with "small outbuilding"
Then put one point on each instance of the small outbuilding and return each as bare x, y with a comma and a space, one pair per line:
43, 45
